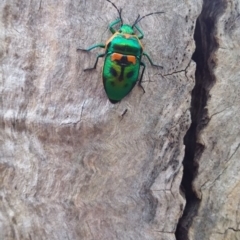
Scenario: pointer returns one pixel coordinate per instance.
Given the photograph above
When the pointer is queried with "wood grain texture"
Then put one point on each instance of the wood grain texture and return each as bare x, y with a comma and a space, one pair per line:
217, 183
72, 165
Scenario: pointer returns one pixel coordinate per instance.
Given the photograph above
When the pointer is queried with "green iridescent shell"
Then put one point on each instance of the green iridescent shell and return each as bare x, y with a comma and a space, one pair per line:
121, 66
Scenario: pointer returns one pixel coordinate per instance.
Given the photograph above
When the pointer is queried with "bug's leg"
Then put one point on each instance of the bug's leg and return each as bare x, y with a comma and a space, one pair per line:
101, 45
95, 64
140, 31
150, 60
112, 24
140, 80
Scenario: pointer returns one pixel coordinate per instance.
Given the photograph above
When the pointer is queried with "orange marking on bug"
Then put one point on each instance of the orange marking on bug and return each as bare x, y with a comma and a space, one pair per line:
127, 35
116, 56
131, 59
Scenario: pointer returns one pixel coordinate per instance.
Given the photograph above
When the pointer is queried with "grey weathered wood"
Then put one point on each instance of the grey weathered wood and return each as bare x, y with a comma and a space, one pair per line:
72, 165
217, 183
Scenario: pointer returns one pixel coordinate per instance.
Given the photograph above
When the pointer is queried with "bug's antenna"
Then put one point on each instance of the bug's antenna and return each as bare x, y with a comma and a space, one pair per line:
119, 11
139, 19
136, 20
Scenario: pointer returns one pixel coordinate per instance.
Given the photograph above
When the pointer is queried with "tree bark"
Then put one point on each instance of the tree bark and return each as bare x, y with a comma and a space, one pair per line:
216, 183
75, 166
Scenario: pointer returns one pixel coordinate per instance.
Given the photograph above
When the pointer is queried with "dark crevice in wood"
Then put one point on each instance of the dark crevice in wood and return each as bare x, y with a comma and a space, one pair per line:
204, 56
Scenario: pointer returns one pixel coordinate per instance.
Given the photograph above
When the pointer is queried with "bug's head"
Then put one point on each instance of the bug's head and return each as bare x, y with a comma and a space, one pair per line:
126, 29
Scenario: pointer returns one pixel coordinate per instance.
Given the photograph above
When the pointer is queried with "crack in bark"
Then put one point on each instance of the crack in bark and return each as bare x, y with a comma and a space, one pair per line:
206, 45
150, 201
221, 173
176, 72
233, 229
218, 112
172, 73
80, 118
230, 228
164, 232
233, 153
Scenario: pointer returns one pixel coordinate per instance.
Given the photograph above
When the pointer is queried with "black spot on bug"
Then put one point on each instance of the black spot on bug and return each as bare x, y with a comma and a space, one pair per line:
119, 48
113, 71
130, 74
123, 61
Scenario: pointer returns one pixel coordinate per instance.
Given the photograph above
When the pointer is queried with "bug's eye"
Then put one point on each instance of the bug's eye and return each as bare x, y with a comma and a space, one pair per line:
120, 31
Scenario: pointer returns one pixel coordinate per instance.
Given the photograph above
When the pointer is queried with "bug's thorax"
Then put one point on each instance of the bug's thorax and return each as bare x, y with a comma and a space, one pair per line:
123, 36
125, 41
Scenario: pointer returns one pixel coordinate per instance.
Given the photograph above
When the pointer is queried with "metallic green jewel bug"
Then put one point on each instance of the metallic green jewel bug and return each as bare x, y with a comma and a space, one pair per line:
123, 54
